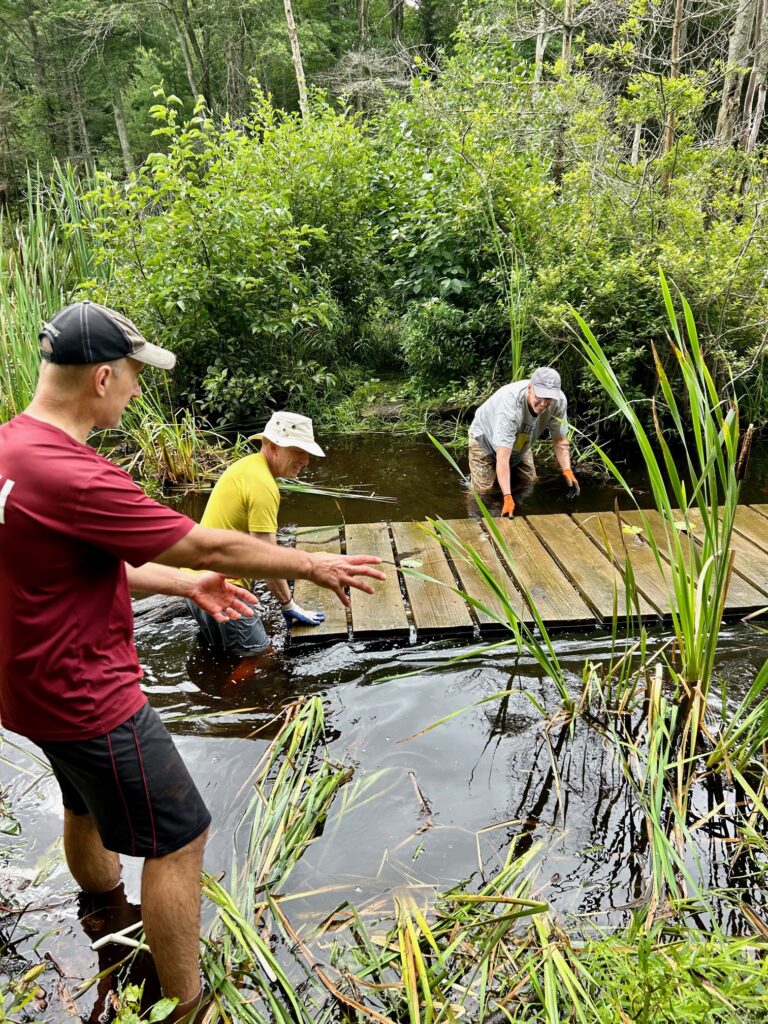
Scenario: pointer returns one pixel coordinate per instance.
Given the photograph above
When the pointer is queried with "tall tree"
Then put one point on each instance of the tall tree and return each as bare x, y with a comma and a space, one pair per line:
298, 64
738, 61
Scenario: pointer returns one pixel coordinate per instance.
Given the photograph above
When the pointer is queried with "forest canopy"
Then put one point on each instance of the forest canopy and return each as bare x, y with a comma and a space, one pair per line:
296, 198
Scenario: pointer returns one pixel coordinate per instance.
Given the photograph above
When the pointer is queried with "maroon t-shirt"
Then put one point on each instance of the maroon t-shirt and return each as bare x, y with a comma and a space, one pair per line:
69, 520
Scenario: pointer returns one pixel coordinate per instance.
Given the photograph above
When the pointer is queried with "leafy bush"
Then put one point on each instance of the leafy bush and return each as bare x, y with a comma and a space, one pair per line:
442, 342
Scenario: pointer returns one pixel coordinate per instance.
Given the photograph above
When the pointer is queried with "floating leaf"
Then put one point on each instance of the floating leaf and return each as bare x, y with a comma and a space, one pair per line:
627, 528
683, 527
410, 563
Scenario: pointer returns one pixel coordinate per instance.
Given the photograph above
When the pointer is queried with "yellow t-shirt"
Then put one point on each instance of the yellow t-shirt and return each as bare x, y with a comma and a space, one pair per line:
245, 498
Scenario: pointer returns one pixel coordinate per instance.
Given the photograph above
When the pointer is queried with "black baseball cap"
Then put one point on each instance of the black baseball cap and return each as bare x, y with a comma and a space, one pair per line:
86, 332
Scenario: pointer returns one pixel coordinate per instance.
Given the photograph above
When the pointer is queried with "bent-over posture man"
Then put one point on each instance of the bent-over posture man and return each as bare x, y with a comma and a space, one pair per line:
75, 533
246, 498
505, 427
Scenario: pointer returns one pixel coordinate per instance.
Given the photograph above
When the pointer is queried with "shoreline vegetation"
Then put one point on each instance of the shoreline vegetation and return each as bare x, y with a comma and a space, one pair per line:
411, 255
506, 209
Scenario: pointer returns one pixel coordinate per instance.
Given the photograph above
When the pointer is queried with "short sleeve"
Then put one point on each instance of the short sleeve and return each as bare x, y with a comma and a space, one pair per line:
114, 514
262, 510
558, 424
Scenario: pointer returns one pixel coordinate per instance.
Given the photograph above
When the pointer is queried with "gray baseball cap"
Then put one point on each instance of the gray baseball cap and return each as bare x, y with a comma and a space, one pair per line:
86, 332
546, 383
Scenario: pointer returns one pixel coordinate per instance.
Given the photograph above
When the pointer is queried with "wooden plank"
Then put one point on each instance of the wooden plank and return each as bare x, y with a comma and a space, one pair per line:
753, 525
595, 577
469, 531
533, 569
741, 596
759, 508
381, 613
750, 561
309, 595
435, 608
654, 584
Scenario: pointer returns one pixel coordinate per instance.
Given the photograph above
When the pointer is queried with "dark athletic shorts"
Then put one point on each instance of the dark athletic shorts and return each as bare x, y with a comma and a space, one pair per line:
135, 786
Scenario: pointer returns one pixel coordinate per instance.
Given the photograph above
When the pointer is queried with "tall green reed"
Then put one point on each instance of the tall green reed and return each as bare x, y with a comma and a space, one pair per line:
44, 259
704, 424
167, 447
292, 788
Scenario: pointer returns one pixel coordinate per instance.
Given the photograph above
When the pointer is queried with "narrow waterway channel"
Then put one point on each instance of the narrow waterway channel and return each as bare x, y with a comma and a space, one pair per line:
424, 808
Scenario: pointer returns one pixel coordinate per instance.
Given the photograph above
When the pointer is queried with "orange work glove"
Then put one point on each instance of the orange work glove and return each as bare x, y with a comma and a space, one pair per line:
573, 484
509, 506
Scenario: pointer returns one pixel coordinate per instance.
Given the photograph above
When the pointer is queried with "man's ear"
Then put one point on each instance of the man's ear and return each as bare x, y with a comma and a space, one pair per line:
101, 375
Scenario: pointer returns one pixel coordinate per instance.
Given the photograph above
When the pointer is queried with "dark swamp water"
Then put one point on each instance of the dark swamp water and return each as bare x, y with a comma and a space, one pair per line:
487, 774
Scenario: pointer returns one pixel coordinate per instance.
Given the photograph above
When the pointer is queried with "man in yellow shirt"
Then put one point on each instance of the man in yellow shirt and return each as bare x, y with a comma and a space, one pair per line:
246, 498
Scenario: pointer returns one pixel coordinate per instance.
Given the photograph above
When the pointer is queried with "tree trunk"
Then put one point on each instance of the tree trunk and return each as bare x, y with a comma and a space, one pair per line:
82, 129
194, 84
566, 55
636, 140
674, 72
298, 65
754, 101
122, 130
189, 28
542, 38
362, 24
738, 59
396, 19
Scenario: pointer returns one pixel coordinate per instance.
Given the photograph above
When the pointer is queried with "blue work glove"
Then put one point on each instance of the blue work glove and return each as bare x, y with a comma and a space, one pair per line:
293, 612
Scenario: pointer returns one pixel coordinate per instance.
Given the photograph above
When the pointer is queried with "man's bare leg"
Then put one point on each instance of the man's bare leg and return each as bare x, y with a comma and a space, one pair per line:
93, 867
170, 902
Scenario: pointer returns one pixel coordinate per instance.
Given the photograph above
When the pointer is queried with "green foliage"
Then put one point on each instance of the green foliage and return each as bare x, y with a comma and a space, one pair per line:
441, 342
40, 268
220, 251
129, 1007
450, 233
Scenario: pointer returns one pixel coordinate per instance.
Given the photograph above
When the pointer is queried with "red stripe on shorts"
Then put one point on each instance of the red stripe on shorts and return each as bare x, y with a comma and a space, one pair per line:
122, 796
146, 789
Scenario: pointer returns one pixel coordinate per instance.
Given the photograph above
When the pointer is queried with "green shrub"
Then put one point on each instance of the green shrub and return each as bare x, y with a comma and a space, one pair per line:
441, 342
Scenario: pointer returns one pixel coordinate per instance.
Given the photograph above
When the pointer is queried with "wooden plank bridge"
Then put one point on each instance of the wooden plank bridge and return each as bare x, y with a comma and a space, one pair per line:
573, 567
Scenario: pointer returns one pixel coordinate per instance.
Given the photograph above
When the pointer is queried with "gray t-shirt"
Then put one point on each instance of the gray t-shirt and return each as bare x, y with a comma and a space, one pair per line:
505, 421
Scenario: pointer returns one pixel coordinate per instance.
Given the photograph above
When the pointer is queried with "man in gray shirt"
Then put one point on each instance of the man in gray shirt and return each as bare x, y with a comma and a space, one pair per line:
505, 427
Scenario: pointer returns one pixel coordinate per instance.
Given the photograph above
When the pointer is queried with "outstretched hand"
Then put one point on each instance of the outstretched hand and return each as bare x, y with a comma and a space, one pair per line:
335, 572
223, 600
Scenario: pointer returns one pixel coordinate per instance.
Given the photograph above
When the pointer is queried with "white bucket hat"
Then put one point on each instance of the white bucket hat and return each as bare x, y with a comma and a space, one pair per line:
290, 430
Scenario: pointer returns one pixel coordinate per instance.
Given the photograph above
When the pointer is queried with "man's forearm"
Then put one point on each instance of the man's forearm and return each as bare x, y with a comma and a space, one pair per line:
153, 578
502, 469
237, 554
562, 452
279, 589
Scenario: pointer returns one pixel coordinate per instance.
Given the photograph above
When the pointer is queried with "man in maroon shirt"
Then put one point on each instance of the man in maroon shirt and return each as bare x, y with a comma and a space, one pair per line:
76, 534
